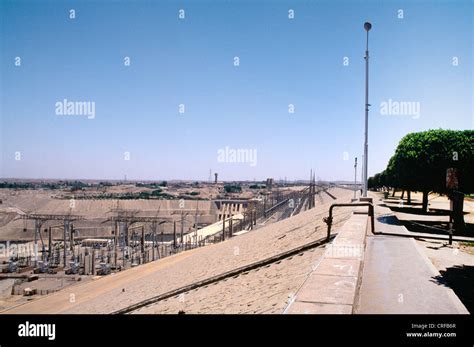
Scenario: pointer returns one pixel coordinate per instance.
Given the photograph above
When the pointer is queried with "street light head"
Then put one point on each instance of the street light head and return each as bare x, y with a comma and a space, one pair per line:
367, 26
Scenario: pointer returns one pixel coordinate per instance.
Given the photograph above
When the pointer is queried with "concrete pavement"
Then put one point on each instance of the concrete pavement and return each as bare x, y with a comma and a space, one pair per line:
399, 278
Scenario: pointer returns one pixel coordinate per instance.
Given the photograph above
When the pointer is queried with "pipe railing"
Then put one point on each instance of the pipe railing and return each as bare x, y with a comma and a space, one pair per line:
328, 220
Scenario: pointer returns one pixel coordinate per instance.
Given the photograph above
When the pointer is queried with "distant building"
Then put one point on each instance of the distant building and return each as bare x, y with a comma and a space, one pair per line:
269, 183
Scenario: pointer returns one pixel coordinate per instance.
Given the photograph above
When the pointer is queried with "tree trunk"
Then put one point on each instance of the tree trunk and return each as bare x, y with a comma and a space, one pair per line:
403, 194
394, 190
425, 201
457, 214
408, 197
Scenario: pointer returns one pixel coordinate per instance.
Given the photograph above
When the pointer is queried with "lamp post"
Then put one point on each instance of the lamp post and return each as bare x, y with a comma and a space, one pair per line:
355, 177
367, 27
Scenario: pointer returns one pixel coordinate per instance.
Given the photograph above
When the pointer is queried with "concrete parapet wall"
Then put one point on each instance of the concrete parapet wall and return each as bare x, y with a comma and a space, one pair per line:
332, 286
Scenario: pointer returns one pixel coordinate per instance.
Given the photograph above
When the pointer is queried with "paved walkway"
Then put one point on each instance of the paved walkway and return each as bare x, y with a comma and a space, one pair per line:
399, 278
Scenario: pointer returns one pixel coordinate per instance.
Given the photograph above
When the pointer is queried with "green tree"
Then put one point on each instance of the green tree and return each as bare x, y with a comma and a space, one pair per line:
232, 188
421, 161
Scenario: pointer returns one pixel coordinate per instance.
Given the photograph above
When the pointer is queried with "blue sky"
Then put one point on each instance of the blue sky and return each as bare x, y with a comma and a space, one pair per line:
191, 62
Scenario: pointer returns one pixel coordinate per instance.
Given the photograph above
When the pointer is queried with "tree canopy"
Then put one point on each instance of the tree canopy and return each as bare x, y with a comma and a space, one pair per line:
421, 160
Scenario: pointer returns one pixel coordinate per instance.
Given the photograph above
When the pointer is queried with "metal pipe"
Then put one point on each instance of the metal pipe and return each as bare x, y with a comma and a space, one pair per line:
153, 227
182, 229
174, 234
355, 177
328, 220
160, 254
143, 241
66, 231
223, 227
37, 231
71, 238
49, 244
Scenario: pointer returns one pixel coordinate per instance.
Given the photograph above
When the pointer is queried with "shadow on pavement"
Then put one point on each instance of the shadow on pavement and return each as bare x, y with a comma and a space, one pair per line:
390, 220
433, 227
396, 200
460, 279
426, 227
419, 211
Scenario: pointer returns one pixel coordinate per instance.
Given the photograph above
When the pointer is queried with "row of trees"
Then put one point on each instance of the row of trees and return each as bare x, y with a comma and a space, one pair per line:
421, 162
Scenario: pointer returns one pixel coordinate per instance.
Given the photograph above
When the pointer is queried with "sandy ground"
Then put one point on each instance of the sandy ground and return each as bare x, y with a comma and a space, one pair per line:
444, 256
117, 291
266, 290
456, 264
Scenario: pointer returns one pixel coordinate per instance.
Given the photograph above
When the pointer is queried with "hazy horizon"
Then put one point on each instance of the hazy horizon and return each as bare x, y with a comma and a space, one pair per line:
124, 181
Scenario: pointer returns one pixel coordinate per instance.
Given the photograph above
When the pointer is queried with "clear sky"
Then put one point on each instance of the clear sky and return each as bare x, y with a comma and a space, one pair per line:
190, 61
